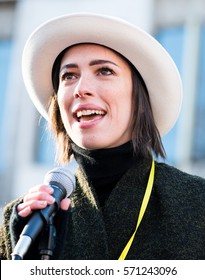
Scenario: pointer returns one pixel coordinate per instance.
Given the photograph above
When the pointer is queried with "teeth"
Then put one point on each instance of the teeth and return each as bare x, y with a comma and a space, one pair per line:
89, 112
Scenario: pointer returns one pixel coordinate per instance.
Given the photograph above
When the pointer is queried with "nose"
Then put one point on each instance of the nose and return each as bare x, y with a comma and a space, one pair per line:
82, 89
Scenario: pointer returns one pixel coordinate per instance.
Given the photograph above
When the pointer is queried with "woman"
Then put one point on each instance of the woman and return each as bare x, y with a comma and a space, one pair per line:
109, 91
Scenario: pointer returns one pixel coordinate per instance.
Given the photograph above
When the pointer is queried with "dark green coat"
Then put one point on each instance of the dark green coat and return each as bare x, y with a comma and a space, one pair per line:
173, 226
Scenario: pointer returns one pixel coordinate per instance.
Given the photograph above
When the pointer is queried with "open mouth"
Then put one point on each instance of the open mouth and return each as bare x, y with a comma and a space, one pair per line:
88, 115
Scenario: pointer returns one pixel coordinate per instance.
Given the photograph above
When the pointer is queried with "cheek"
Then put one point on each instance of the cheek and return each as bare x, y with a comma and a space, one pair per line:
64, 99
127, 106
125, 99
61, 105
64, 104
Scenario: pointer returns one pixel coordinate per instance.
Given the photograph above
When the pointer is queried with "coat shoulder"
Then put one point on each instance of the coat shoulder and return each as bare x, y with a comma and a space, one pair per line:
172, 173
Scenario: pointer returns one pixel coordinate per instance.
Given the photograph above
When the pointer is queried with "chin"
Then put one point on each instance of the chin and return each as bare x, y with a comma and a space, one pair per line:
91, 145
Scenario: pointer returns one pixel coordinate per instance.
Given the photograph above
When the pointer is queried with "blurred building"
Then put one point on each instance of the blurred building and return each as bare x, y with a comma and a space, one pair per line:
27, 152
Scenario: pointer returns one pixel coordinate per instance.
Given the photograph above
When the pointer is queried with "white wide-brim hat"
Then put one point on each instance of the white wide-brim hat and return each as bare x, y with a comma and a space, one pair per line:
155, 65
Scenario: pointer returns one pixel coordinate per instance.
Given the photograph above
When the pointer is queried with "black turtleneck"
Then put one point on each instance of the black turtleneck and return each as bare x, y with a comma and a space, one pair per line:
104, 167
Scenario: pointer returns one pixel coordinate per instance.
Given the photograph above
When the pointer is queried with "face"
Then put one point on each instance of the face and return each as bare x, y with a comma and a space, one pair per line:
95, 97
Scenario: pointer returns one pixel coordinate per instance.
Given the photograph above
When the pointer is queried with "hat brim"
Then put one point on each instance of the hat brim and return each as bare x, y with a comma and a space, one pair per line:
152, 61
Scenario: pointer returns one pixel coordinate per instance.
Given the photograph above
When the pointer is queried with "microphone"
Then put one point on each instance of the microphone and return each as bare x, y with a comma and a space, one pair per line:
62, 181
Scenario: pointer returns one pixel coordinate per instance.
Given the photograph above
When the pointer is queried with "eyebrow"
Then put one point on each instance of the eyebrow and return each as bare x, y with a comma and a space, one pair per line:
70, 65
92, 63
101, 61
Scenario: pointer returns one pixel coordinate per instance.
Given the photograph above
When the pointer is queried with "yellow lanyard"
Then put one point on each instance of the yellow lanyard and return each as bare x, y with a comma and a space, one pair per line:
142, 211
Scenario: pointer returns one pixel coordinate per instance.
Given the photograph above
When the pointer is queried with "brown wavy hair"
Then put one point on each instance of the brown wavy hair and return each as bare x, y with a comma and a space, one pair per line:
145, 136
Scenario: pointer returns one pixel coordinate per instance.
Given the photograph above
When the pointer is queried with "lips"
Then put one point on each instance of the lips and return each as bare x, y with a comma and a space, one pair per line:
88, 113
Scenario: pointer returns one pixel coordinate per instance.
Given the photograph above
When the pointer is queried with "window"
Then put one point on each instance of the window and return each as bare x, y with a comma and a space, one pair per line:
6, 28
172, 40
45, 146
198, 151
5, 51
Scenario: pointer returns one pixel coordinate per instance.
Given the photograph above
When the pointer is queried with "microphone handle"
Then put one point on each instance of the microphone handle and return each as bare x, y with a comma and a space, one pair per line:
36, 223
29, 233
39, 218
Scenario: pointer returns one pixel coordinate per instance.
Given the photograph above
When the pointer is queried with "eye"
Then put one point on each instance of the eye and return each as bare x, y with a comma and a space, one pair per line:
67, 76
105, 71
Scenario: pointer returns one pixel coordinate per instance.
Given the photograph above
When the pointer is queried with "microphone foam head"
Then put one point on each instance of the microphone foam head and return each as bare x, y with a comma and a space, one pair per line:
62, 176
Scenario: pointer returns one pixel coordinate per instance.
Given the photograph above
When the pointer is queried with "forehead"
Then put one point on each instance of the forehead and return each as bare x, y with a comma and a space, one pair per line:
90, 51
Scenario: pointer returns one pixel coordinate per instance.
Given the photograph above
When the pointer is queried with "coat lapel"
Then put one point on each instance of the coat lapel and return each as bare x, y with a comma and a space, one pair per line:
89, 235
103, 233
